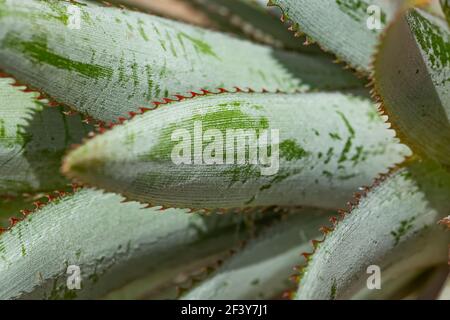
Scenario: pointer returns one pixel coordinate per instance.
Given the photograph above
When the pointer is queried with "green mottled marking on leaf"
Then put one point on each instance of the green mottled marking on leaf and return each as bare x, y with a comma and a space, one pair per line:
150, 83
39, 52
327, 173
58, 12
333, 290
59, 8
242, 173
346, 177
347, 123
200, 45
86, 17
345, 150
348, 143
290, 150
257, 107
142, 31
404, 227
433, 41
146, 171
122, 70
2, 129
130, 27
135, 77
335, 136
2, 248
279, 177
358, 155
329, 155
227, 116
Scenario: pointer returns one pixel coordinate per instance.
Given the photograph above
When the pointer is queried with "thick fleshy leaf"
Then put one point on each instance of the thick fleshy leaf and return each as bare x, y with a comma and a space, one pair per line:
394, 227
255, 20
118, 60
261, 269
112, 243
184, 154
33, 139
412, 79
347, 28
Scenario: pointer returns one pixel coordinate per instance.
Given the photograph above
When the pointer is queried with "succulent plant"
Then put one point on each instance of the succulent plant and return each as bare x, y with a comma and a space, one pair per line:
166, 160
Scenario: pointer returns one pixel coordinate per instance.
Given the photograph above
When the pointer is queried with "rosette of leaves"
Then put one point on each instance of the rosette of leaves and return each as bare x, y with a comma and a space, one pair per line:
92, 93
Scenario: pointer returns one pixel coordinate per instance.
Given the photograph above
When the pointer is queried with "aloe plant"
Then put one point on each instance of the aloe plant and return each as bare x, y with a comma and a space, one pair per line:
189, 160
425, 123
260, 269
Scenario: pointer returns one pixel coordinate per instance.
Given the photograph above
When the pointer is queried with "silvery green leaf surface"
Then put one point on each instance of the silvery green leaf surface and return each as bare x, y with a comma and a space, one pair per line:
112, 61
112, 243
394, 227
328, 145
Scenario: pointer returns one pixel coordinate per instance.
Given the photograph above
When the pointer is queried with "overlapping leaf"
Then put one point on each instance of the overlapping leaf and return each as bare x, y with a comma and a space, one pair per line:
111, 62
33, 139
260, 270
112, 243
255, 20
394, 228
349, 29
183, 154
412, 78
